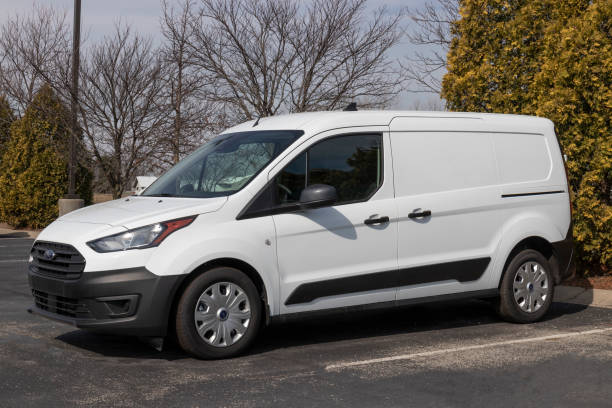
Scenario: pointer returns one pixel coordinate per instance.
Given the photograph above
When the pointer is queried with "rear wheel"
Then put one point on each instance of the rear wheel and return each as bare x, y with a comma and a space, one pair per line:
218, 314
527, 288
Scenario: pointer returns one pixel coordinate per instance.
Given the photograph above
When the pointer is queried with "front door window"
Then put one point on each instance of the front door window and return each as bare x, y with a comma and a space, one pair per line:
352, 164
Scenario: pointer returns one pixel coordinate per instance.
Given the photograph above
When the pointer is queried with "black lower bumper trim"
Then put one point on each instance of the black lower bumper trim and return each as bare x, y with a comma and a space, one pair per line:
565, 255
127, 301
53, 316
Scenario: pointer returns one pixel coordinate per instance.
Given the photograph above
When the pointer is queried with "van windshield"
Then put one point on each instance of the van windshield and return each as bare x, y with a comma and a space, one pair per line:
224, 165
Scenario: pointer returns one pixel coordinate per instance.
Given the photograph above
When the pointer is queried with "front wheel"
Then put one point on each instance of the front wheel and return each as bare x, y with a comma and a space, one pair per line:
527, 288
218, 314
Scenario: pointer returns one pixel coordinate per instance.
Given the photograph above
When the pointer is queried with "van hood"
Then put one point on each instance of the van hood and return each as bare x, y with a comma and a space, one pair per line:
137, 211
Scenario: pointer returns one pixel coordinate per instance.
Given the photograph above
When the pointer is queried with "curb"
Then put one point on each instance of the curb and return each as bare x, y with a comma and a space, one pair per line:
11, 233
583, 296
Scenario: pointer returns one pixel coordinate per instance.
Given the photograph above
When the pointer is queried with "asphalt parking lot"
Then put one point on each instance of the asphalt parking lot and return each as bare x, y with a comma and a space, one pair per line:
450, 354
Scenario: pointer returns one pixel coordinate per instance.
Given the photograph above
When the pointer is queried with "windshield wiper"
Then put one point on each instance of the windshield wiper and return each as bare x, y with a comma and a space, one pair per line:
161, 195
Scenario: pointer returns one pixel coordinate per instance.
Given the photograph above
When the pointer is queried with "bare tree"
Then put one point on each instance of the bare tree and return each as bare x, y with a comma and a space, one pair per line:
190, 116
432, 32
222, 61
33, 48
341, 56
35, 52
121, 117
264, 57
432, 104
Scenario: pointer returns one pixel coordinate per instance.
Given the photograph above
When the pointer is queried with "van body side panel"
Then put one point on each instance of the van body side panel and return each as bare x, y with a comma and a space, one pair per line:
217, 236
328, 257
534, 196
453, 175
525, 223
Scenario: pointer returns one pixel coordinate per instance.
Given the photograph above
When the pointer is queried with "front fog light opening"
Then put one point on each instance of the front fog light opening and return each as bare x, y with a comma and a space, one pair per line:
118, 306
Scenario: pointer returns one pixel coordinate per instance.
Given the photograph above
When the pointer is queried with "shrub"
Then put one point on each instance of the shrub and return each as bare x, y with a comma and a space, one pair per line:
574, 90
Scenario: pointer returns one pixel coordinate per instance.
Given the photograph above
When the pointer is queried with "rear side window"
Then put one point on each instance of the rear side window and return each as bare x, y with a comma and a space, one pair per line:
352, 164
522, 158
430, 162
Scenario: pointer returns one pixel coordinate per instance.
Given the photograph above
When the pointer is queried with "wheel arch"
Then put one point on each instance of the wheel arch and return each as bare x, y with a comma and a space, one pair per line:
239, 264
539, 244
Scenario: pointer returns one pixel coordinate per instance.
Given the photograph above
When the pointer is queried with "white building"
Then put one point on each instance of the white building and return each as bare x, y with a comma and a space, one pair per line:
142, 182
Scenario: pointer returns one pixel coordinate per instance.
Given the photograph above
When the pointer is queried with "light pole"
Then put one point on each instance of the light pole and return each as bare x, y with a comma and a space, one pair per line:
71, 201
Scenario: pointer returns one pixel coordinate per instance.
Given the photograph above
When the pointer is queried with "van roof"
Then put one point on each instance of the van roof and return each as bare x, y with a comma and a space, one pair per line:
314, 122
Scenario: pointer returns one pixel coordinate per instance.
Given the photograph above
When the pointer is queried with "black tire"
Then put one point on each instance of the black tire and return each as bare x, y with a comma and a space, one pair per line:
186, 332
508, 306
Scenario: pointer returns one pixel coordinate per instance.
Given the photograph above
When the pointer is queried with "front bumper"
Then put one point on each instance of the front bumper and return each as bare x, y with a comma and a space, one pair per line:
128, 301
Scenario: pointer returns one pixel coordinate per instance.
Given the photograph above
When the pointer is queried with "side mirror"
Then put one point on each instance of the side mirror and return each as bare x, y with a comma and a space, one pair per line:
318, 195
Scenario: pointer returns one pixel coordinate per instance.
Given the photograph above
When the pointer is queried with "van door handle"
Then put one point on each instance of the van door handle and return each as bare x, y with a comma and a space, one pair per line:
372, 221
421, 214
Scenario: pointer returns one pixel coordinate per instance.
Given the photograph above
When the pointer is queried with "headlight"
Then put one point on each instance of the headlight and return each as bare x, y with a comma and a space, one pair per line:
139, 238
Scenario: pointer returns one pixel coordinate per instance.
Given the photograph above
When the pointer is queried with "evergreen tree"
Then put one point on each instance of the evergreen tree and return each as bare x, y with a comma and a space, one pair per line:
551, 59
33, 172
6, 119
574, 90
495, 52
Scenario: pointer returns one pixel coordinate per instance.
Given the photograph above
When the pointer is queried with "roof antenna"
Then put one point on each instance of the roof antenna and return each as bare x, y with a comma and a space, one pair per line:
351, 107
257, 121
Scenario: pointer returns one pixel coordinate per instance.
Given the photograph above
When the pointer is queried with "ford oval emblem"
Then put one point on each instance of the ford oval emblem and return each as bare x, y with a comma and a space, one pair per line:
49, 255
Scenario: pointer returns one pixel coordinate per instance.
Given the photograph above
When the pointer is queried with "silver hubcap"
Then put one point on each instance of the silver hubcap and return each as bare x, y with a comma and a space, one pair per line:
222, 314
530, 287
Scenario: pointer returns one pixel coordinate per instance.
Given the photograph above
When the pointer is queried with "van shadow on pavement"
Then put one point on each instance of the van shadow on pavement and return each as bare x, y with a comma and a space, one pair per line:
330, 328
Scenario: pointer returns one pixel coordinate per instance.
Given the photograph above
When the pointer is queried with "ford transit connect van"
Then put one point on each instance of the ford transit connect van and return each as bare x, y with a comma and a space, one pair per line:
316, 211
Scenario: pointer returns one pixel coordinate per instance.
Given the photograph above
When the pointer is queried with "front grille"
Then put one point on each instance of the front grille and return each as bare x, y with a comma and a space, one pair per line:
56, 260
60, 305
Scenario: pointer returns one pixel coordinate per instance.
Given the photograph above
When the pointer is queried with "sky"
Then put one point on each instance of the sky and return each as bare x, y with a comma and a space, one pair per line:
99, 16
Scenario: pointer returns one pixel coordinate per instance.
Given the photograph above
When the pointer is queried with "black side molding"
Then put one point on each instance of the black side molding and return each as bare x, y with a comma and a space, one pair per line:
308, 292
462, 271
532, 194
476, 294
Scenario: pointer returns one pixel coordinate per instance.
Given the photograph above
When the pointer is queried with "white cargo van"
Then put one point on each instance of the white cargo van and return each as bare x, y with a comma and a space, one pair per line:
318, 211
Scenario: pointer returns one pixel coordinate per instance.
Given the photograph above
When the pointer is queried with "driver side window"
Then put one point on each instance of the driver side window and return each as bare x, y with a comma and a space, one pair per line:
352, 164
291, 181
